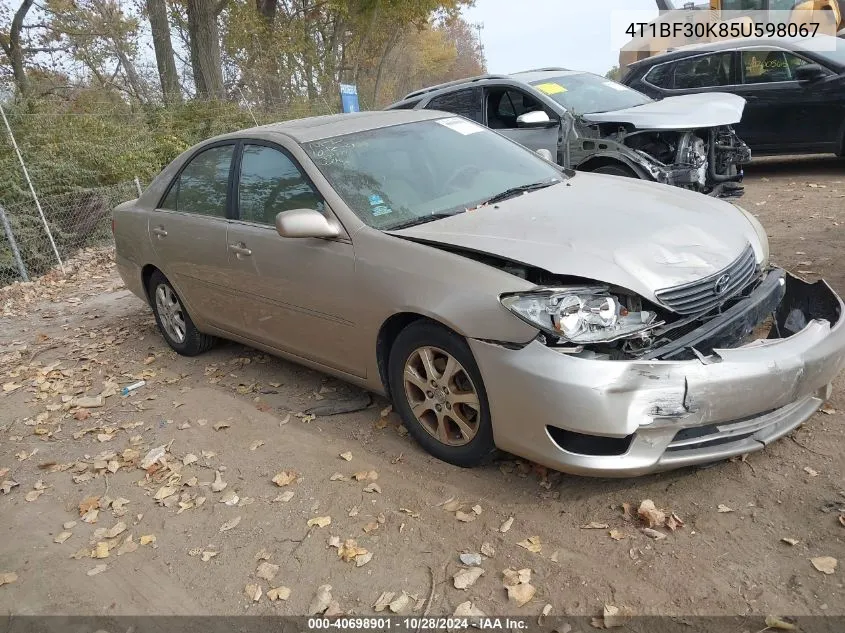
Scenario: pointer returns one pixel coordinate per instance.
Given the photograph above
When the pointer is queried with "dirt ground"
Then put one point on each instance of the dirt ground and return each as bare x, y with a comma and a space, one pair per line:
234, 417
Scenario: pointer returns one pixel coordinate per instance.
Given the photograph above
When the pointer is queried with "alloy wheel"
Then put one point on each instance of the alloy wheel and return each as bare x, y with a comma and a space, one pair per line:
170, 313
442, 396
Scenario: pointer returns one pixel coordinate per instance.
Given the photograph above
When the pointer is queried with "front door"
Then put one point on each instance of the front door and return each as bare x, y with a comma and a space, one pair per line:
503, 105
188, 233
294, 292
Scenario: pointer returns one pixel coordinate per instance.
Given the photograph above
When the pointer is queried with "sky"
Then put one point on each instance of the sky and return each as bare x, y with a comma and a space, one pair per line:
523, 34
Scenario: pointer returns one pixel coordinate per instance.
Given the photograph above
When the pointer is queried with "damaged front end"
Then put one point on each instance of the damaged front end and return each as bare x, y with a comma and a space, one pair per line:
707, 160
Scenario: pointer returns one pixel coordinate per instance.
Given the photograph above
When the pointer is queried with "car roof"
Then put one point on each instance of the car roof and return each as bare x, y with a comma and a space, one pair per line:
789, 43
327, 126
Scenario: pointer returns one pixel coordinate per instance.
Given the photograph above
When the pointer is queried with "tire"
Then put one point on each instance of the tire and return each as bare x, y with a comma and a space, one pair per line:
616, 170
173, 319
460, 395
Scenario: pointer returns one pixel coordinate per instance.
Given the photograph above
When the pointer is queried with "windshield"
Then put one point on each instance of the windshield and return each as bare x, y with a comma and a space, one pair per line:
406, 174
585, 93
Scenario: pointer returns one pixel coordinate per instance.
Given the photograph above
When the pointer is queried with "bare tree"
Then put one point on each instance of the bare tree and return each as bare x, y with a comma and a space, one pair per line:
163, 45
11, 45
205, 47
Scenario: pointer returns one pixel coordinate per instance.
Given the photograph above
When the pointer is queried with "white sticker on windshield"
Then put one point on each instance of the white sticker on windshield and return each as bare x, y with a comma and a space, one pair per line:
615, 86
460, 125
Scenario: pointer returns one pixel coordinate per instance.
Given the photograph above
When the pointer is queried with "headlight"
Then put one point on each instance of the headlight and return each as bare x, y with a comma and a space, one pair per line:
761, 235
579, 315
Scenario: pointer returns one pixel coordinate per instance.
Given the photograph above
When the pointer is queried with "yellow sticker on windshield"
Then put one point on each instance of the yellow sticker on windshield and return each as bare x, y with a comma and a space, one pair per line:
550, 88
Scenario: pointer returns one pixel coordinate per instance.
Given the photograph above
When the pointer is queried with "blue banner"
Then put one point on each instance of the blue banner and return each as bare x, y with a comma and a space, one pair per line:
349, 98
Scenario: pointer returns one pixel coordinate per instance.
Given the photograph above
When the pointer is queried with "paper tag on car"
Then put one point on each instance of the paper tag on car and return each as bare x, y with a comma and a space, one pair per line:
615, 86
460, 125
550, 88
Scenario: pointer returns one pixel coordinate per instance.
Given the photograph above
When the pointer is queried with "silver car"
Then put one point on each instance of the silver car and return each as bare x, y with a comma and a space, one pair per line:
596, 325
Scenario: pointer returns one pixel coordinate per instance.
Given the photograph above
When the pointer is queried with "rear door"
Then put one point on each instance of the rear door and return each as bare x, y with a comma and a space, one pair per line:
293, 293
188, 232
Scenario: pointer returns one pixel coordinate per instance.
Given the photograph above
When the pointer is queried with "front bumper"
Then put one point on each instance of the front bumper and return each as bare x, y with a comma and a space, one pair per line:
664, 414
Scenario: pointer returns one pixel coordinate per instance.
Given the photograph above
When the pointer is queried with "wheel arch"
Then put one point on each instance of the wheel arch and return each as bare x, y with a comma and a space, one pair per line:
605, 160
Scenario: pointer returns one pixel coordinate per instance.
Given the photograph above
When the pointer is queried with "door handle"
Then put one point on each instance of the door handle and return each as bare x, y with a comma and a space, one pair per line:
240, 250
159, 231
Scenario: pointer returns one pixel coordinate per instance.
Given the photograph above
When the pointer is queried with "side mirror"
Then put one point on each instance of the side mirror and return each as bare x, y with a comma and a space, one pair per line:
535, 119
544, 153
305, 223
809, 72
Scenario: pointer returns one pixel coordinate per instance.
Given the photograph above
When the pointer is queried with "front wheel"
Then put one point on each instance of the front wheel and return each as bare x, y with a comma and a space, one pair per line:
438, 392
173, 319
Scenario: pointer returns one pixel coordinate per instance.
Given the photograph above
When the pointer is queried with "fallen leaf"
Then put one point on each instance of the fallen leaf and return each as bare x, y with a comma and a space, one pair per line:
506, 525
61, 537
230, 498
220, 426
512, 577
278, 593
254, 447
650, 514
229, 525
532, 544
88, 503
616, 535
722, 508
469, 610
593, 525
410, 513
32, 495
164, 492
319, 521
253, 592
544, 614
657, 536
7, 578
266, 571
451, 506
207, 555
400, 603
284, 497
488, 550
611, 617
363, 559
790, 541
825, 564
7, 486
372, 526
774, 622
520, 594
321, 600
118, 529
365, 475
337, 477
99, 569
147, 539
347, 456
373, 487
90, 516
674, 522
284, 478
465, 578
477, 509
101, 550
383, 601
189, 459
218, 485
827, 409
465, 517
127, 547
350, 550
811, 472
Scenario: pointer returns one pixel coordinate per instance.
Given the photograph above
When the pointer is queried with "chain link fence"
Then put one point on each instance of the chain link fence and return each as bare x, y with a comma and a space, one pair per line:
77, 219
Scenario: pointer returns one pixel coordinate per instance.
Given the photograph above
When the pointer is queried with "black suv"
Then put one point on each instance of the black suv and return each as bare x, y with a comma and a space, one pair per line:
795, 96
587, 122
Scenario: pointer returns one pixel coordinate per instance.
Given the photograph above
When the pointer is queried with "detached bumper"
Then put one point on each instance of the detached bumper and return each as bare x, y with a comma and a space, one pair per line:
622, 418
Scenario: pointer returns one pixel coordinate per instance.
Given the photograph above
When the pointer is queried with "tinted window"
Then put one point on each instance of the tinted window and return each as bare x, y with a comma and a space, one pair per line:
201, 187
393, 175
703, 72
661, 76
760, 67
585, 93
270, 183
464, 102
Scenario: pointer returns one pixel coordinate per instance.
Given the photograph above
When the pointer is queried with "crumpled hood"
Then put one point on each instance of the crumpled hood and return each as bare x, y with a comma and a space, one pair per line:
684, 112
638, 235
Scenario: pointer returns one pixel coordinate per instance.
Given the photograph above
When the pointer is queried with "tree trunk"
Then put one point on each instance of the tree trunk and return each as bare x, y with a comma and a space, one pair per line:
205, 49
14, 51
269, 62
165, 60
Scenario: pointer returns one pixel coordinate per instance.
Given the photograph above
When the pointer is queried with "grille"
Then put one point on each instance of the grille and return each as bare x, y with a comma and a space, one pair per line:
705, 294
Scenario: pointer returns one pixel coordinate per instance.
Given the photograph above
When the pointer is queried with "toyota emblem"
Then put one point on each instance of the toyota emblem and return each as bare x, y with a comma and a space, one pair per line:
721, 284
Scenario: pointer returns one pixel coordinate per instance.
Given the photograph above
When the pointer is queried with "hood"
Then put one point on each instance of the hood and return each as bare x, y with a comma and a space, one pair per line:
638, 235
683, 112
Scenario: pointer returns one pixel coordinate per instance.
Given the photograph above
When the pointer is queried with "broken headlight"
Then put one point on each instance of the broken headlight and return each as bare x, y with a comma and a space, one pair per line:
579, 315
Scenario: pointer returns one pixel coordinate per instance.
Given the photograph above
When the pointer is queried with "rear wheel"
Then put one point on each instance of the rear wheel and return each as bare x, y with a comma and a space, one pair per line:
616, 170
438, 392
173, 319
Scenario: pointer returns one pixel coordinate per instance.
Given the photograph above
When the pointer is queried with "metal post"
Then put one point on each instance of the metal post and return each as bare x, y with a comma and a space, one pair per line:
7, 228
32, 189
138, 186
